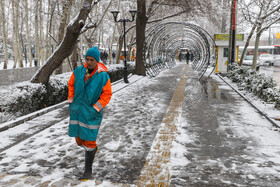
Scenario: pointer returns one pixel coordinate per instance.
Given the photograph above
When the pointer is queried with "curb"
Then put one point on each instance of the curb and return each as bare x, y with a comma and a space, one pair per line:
20, 120
251, 103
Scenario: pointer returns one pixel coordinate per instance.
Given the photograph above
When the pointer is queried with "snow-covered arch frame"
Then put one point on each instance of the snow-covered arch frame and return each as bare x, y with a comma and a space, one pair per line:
164, 40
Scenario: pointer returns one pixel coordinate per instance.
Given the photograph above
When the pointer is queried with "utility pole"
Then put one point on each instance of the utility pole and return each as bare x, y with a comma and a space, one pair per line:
232, 34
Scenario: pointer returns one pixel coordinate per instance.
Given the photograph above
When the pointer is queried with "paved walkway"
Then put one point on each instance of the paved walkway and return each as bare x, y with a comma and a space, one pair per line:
156, 169
172, 131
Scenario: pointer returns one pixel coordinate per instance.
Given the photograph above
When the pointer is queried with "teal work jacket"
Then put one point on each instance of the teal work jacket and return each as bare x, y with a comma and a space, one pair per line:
90, 97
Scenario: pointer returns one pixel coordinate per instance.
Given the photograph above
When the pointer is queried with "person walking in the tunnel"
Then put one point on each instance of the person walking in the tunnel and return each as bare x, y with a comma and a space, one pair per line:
180, 57
191, 57
89, 92
187, 57
113, 55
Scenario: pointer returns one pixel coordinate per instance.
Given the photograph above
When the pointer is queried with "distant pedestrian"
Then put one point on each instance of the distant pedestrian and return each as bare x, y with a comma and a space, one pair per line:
105, 56
187, 57
89, 92
102, 56
113, 55
180, 56
35, 62
191, 57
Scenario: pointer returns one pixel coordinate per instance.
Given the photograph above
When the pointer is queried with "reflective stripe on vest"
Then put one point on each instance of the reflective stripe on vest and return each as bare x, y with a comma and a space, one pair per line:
99, 105
76, 122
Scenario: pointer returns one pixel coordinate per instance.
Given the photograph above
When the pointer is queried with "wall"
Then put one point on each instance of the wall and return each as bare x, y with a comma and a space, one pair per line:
11, 76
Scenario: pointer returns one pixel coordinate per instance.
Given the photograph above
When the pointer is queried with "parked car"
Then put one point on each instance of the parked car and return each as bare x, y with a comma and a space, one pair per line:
248, 61
267, 59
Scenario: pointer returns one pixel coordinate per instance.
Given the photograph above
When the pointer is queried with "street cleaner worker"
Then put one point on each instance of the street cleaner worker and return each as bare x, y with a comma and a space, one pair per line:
89, 92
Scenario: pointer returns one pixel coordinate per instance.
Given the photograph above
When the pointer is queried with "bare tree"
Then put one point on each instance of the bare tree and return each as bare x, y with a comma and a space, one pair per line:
266, 15
4, 35
97, 25
224, 20
270, 17
16, 39
113, 37
141, 22
28, 38
74, 29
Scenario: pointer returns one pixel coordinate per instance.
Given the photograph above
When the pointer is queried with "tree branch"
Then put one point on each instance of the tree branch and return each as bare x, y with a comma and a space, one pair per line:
152, 12
272, 12
166, 17
269, 25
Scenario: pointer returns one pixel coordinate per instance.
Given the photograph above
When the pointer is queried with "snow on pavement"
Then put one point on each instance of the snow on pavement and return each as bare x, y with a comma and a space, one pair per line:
130, 123
221, 140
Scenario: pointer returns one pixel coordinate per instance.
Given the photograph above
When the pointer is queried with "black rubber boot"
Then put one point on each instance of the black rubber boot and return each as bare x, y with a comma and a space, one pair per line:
89, 157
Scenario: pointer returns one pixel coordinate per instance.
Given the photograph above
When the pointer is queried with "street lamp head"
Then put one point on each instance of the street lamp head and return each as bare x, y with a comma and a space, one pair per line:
115, 14
133, 13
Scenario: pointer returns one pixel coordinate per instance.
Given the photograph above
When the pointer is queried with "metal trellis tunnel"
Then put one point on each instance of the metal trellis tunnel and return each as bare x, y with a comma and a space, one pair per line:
163, 41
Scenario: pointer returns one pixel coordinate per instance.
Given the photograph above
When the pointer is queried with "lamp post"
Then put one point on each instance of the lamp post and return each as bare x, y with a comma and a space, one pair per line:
115, 14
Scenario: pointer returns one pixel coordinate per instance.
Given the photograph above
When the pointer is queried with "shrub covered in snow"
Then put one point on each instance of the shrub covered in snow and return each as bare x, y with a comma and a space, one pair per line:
263, 86
25, 97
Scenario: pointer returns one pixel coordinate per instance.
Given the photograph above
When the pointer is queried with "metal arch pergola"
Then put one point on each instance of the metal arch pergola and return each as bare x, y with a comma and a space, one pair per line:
164, 40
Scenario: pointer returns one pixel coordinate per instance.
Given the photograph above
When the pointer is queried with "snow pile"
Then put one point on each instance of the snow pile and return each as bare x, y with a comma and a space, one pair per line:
261, 85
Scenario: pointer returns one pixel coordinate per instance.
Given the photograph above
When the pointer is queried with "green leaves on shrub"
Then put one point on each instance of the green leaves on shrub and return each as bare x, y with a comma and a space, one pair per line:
261, 85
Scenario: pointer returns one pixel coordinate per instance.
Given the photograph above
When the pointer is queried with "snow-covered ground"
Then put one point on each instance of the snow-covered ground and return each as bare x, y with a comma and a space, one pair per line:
221, 140
59, 157
11, 64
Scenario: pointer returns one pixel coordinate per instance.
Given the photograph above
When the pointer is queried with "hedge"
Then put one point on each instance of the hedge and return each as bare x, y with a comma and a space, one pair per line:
25, 97
261, 85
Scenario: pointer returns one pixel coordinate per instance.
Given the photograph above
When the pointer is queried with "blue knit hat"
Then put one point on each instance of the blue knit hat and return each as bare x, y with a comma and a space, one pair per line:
93, 52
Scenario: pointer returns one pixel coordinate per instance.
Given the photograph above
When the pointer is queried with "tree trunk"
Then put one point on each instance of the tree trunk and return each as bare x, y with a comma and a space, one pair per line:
15, 50
37, 50
47, 41
28, 38
41, 37
74, 57
4, 35
130, 46
66, 46
18, 40
111, 45
113, 38
247, 44
65, 12
141, 21
49, 31
256, 49
119, 49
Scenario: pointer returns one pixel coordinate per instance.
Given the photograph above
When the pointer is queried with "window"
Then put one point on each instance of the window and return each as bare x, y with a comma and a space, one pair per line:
225, 52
